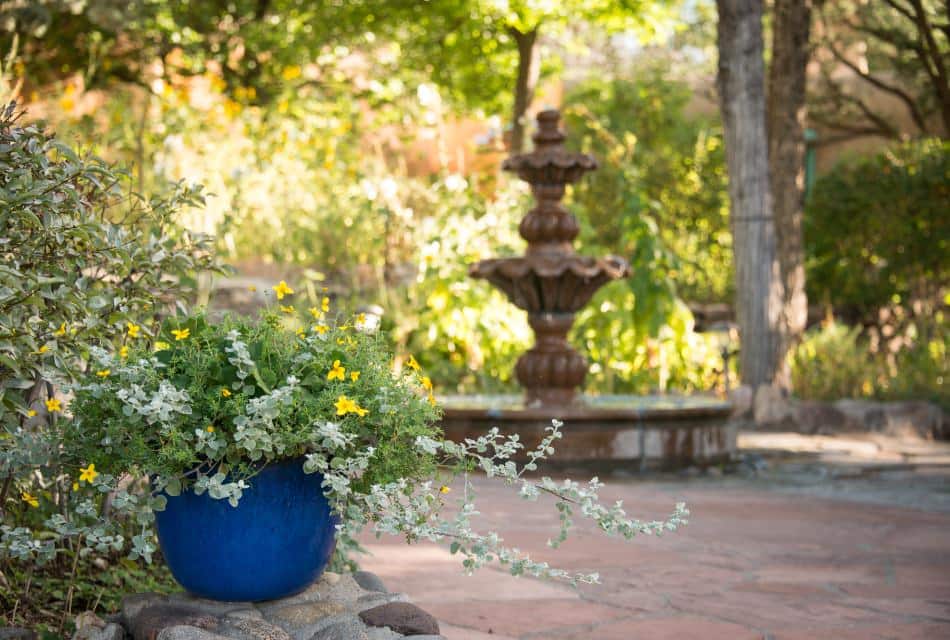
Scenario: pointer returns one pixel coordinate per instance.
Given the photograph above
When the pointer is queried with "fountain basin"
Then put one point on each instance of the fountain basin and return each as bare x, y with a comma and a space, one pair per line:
606, 433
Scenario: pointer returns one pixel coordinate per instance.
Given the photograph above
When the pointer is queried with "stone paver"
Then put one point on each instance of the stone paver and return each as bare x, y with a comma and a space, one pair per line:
787, 555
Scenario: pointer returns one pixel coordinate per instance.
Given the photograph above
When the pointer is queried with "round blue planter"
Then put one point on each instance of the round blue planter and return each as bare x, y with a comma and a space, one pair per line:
275, 543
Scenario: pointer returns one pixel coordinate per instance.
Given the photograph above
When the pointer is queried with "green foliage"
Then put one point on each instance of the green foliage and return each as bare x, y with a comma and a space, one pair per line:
463, 331
83, 257
658, 199
837, 361
877, 231
224, 399
55, 595
662, 176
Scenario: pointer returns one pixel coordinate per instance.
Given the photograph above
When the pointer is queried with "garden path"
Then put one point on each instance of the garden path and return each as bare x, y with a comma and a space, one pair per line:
785, 549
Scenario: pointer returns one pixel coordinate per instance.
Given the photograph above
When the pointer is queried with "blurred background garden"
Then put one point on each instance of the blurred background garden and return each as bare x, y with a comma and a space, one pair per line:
353, 149
356, 148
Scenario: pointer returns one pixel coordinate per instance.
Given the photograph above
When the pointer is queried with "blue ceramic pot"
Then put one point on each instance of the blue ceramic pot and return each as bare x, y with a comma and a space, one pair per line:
275, 543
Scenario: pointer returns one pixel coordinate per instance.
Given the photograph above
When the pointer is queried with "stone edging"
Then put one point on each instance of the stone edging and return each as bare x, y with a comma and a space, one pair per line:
336, 607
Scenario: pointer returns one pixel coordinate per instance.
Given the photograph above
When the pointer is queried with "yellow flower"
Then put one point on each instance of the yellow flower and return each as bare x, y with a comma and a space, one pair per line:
325, 304
354, 375
345, 405
103, 373
75, 486
320, 328
316, 313
42, 350
225, 392
300, 332
426, 383
210, 428
181, 334
444, 489
291, 73
432, 400
124, 352
29, 499
61, 331
89, 474
361, 319
286, 309
282, 290
161, 345
412, 364
337, 372
252, 288
133, 329
31, 413
53, 405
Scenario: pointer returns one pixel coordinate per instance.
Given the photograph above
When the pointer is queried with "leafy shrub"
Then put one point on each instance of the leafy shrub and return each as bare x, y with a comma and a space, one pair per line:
84, 258
877, 231
837, 361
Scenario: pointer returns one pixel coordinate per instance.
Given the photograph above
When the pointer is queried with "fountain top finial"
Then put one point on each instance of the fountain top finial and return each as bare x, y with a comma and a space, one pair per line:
549, 134
549, 163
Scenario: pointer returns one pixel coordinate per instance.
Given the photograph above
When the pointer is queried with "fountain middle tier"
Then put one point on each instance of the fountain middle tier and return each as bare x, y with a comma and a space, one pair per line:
552, 283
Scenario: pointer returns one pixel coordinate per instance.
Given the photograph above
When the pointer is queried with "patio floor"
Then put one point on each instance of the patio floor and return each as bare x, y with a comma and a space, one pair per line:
791, 546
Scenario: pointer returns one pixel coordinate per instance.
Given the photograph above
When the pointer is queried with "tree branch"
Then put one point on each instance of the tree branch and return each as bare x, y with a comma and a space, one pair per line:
906, 98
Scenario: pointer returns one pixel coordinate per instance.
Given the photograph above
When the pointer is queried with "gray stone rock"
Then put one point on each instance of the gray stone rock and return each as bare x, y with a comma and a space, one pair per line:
212, 607
382, 633
350, 629
89, 626
428, 637
401, 617
187, 632
151, 621
343, 589
771, 408
245, 614
132, 605
375, 599
369, 581
820, 418
250, 629
913, 419
16, 633
741, 400
301, 615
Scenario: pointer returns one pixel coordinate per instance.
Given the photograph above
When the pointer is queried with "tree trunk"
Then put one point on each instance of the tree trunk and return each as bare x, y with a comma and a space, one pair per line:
759, 295
528, 70
791, 24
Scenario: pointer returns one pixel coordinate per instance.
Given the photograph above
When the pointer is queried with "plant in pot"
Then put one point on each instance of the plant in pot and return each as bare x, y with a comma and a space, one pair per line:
266, 443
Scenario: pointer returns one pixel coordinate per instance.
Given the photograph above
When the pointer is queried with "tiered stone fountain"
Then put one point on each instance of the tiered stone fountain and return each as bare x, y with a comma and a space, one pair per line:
552, 283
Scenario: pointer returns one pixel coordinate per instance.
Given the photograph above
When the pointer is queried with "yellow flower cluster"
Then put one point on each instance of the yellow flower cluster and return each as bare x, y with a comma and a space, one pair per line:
425, 381
345, 406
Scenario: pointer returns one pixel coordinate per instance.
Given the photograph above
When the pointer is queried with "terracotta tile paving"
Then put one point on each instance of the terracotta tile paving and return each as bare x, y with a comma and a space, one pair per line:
760, 560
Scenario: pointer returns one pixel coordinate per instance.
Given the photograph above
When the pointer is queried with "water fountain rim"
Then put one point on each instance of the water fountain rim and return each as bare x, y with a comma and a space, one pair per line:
588, 407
